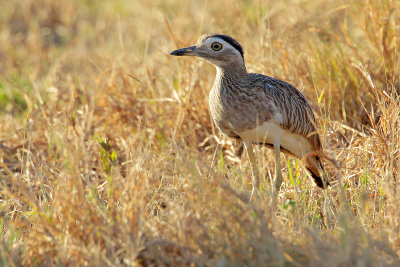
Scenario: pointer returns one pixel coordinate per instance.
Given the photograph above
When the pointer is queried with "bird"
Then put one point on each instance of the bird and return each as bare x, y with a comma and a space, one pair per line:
258, 109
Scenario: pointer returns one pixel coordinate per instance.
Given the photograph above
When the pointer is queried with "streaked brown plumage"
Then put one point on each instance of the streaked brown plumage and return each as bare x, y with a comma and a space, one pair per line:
258, 109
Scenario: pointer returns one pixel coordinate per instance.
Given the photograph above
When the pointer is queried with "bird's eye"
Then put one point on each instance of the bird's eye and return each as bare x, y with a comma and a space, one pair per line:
216, 46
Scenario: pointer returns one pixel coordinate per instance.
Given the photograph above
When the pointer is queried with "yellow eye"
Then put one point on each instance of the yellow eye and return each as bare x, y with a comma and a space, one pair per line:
216, 46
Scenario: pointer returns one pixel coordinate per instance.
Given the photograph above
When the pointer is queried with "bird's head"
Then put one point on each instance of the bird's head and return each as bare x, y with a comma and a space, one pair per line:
220, 50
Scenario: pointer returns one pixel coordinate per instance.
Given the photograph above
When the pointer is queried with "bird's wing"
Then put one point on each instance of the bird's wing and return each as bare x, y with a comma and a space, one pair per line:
297, 115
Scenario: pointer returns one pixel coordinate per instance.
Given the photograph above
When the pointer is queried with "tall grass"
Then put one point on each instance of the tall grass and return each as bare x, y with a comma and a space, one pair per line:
108, 154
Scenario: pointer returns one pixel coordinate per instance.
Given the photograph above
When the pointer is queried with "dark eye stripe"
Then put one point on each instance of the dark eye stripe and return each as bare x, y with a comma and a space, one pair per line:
231, 41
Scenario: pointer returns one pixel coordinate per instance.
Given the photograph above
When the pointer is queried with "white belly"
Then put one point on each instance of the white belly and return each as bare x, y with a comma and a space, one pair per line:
272, 133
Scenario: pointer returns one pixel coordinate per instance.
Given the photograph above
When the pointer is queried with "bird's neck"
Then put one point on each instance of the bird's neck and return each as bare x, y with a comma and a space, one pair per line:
230, 78
231, 72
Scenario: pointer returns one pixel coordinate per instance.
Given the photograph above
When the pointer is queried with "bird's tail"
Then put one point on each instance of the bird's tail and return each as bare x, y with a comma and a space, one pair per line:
314, 166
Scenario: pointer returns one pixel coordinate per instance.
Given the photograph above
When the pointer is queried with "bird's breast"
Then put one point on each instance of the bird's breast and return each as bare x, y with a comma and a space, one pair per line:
222, 113
234, 111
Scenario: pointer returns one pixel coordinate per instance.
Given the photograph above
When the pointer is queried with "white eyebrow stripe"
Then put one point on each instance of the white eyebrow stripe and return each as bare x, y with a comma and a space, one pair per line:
211, 40
225, 44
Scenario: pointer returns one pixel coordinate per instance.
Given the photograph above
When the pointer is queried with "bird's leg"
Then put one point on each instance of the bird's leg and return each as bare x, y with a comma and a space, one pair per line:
254, 168
278, 174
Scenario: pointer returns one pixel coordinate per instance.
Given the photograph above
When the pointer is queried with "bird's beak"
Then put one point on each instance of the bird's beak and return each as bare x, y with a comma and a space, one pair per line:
187, 51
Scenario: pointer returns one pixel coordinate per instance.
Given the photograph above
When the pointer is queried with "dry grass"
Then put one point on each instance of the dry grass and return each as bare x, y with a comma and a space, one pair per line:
108, 155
